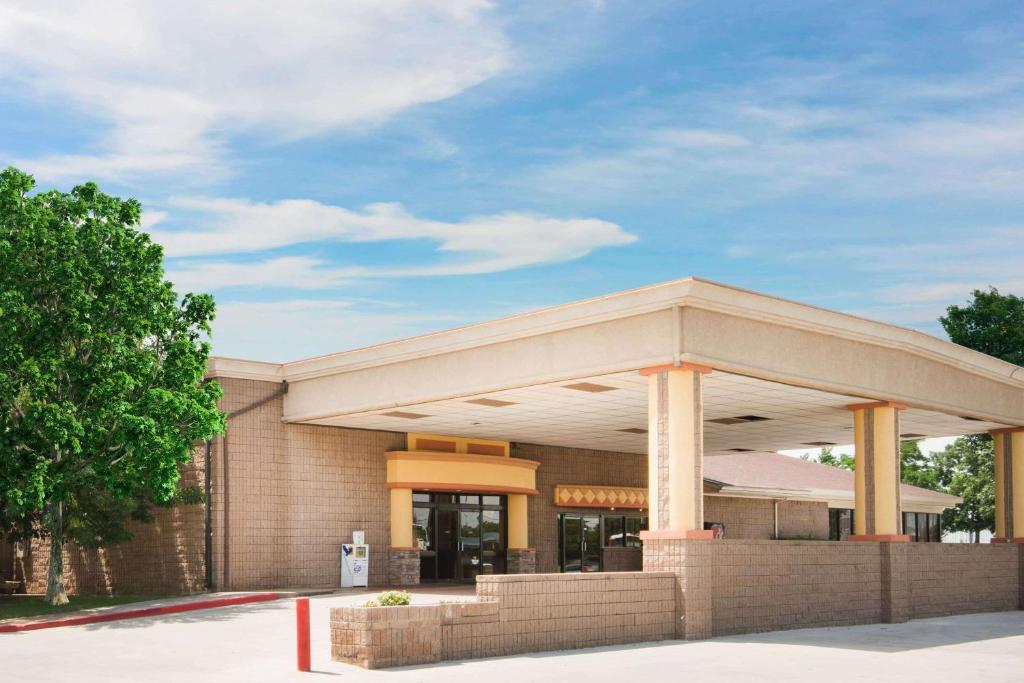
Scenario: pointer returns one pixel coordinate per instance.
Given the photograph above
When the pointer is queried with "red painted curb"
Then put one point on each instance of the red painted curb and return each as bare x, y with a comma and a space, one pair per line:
136, 613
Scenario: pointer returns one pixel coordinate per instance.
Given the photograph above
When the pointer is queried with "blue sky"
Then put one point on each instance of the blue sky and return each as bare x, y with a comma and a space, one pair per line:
339, 174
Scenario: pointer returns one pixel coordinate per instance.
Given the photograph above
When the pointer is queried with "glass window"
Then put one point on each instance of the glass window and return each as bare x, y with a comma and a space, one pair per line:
421, 497
840, 524
469, 500
935, 528
634, 525
422, 529
910, 525
492, 500
614, 528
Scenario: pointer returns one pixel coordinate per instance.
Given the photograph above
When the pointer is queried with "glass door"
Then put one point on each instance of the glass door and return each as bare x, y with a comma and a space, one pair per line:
581, 543
447, 544
591, 543
469, 544
572, 543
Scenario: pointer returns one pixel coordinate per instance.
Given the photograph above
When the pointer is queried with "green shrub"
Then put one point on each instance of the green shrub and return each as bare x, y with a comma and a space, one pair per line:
394, 598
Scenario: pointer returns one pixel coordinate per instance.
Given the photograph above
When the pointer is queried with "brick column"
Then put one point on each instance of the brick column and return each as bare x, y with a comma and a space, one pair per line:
895, 579
676, 541
675, 451
877, 515
1009, 484
690, 560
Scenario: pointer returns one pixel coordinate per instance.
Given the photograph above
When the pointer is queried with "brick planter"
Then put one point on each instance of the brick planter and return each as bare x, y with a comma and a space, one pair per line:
378, 637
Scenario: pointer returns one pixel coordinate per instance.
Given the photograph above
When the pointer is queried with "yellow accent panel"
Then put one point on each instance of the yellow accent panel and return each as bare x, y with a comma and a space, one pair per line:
518, 522
401, 518
452, 471
860, 518
584, 495
886, 491
461, 444
1017, 445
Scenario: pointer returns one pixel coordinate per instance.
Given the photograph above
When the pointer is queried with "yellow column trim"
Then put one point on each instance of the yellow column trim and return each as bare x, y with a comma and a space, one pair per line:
401, 518
887, 521
1017, 488
518, 522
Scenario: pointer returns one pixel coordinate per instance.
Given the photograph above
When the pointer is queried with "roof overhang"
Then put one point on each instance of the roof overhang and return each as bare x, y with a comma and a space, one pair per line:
735, 331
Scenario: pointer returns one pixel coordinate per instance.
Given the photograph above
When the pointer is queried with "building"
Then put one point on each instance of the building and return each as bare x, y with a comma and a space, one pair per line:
582, 437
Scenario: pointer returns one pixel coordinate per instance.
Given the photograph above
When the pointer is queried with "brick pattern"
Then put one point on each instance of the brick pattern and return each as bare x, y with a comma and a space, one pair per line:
514, 614
745, 586
521, 561
571, 466
163, 557
961, 578
621, 559
753, 517
403, 567
380, 637
296, 493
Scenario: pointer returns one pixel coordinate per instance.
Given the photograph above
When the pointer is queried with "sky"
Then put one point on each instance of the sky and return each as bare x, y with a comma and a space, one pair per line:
341, 174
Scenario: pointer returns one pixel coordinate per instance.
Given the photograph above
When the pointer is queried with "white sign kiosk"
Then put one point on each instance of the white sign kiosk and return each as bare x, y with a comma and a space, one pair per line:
355, 562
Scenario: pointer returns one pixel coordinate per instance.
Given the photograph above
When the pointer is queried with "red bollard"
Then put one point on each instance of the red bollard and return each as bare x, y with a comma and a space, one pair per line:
302, 632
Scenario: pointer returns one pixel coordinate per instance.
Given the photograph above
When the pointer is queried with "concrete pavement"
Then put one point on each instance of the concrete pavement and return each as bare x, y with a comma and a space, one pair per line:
257, 643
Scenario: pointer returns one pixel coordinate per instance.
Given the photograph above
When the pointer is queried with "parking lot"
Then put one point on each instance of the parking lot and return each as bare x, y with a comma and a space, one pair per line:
256, 643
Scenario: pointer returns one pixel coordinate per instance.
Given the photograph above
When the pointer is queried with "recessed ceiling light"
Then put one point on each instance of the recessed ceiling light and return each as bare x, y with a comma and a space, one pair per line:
589, 386
633, 430
819, 443
738, 419
491, 402
403, 414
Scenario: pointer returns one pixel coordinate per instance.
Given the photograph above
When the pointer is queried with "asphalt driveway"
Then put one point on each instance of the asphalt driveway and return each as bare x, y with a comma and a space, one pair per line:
256, 643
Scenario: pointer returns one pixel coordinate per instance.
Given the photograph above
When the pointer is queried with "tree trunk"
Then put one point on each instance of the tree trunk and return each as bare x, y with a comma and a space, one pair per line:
55, 593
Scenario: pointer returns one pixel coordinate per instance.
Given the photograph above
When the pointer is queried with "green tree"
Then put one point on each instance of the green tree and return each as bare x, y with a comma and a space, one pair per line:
917, 468
842, 460
992, 323
964, 468
102, 395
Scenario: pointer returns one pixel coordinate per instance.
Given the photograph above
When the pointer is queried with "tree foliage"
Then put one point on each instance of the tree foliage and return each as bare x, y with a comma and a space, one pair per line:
102, 392
964, 468
842, 460
992, 323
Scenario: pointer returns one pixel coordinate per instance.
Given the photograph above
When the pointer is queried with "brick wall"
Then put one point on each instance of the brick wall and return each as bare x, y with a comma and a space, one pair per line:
515, 614
745, 586
571, 466
296, 493
754, 517
163, 557
959, 578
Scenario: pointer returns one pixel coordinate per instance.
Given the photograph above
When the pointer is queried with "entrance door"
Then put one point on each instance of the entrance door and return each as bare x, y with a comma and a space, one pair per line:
581, 543
459, 536
469, 545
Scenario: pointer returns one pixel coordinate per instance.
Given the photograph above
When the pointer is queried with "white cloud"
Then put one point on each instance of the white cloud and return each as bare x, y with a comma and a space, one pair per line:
172, 78
477, 244
829, 133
